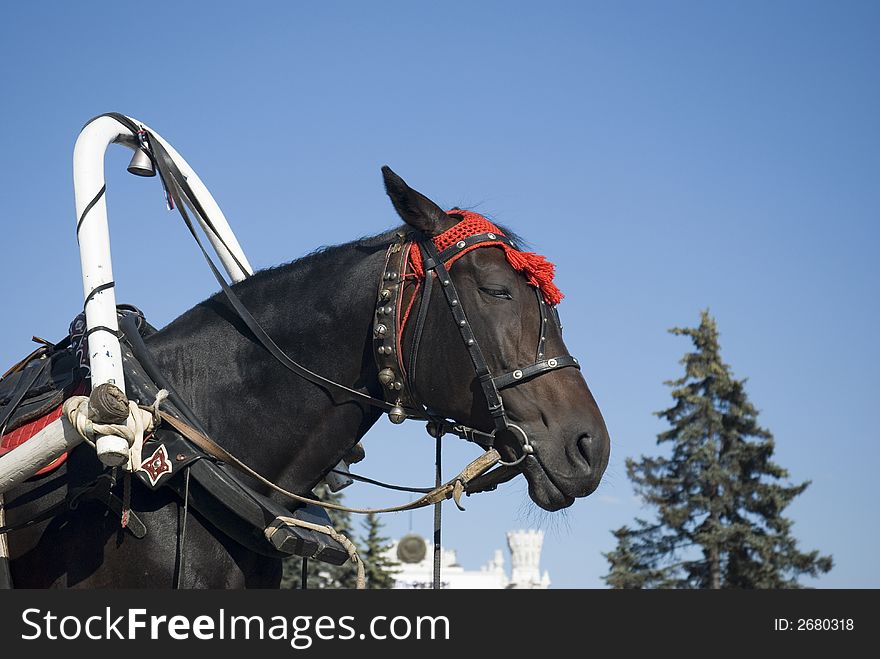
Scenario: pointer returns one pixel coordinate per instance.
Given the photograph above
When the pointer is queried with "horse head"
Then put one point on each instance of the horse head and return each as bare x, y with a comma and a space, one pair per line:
504, 313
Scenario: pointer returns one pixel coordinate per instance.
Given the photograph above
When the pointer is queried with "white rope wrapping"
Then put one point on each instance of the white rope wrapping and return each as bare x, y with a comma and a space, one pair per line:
350, 547
140, 421
4, 547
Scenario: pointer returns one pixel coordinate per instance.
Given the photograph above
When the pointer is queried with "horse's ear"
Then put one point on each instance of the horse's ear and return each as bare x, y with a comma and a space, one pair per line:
415, 208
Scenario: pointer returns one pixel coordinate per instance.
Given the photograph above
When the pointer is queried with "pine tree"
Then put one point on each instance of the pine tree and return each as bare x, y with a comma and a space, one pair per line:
719, 497
320, 574
628, 568
378, 567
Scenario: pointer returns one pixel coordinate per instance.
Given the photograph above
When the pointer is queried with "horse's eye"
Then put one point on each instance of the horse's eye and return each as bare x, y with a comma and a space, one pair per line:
501, 293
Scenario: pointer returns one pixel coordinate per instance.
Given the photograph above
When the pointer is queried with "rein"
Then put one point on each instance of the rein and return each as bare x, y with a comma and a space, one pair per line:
399, 401
451, 489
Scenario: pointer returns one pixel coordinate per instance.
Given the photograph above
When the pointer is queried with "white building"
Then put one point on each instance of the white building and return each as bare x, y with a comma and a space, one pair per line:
415, 556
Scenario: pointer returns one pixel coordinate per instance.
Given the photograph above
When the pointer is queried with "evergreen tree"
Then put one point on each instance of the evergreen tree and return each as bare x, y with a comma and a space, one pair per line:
378, 567
320, 574
719, 497
628, 568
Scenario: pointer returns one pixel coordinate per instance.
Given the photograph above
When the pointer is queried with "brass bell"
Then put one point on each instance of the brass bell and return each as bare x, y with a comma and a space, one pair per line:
385, 295
386, 377
396, 414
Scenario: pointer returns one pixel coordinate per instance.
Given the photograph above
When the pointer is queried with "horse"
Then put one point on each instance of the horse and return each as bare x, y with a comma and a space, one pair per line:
322, 309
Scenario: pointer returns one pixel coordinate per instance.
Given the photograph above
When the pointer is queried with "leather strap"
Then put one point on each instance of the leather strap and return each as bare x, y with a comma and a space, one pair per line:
180, 192
533, 370
470, 241
451, 489
21, 391
424, 303
98, 491
432, 261
24, 362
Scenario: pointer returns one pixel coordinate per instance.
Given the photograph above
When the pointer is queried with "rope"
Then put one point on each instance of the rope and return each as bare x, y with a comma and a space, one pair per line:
139, 422
5, 574
4, 548
126, 500
453, 488
280, 522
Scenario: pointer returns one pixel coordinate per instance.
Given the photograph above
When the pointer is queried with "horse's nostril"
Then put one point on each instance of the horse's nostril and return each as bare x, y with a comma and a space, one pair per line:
585, 446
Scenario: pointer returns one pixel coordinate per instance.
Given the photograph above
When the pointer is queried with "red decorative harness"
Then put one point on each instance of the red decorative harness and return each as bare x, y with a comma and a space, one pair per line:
537, 269
539, 272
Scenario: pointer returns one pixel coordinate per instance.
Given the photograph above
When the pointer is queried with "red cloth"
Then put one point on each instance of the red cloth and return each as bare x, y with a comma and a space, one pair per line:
537, 269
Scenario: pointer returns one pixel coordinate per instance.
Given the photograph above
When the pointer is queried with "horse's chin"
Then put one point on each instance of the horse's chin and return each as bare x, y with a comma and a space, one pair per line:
542, 490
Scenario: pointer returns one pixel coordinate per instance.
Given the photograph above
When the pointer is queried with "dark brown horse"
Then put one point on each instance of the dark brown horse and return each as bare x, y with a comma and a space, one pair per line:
321, 310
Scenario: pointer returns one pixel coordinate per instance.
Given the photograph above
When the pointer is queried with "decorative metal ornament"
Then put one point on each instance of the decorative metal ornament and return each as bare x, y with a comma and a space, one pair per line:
141, 165
386, 377
397, 415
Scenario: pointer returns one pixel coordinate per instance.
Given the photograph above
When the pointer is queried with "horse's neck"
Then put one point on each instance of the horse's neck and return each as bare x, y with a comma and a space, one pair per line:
320, 312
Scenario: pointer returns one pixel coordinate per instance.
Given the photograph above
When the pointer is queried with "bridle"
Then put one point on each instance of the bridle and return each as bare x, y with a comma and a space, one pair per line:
398, 380
398, 400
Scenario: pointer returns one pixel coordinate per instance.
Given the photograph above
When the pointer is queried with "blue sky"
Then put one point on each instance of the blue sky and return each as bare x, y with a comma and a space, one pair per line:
667, 156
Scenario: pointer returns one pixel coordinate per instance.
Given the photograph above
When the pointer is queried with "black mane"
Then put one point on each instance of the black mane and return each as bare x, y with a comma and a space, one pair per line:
364, 244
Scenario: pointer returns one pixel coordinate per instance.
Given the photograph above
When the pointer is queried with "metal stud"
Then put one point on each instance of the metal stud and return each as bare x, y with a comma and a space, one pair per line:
392, 275
460, 244
574, 359
491, 236
517, 374
552, 363
398, 385
445, 282
462, 323
388, 310
454, 303
470, 342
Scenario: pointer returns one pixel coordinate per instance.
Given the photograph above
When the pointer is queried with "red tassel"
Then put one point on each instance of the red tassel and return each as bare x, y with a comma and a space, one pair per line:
538, 270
